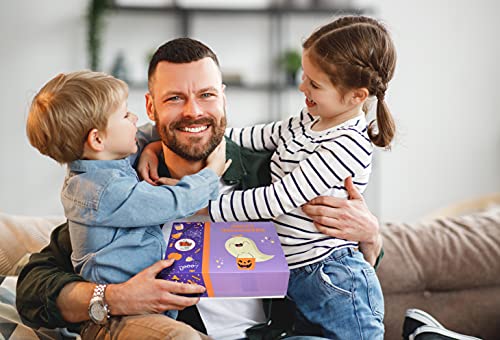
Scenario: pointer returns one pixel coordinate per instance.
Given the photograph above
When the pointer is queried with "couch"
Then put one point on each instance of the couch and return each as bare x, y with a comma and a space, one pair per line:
446, 266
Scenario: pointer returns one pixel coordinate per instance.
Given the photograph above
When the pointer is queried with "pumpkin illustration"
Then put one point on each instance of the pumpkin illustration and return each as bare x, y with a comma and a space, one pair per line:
245, 263
246, 252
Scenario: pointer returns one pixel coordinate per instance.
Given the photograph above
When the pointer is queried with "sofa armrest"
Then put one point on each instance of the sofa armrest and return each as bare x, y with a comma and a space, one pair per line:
22, 235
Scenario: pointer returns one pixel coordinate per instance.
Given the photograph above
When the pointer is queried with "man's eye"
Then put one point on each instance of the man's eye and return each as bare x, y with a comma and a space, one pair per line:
207, 95
173, 99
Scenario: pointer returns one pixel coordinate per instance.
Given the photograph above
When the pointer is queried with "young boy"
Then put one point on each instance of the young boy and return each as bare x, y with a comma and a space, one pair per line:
81, 119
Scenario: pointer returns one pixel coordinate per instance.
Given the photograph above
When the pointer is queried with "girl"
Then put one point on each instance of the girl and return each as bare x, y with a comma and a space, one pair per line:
344, 62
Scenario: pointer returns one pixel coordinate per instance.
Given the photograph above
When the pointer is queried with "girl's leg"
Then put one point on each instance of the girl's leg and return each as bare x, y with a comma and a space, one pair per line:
341, 294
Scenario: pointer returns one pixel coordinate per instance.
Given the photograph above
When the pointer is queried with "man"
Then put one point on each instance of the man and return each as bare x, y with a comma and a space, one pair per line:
187, 101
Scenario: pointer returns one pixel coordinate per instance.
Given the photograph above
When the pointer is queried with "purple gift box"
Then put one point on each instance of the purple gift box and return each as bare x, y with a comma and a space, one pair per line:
238, 259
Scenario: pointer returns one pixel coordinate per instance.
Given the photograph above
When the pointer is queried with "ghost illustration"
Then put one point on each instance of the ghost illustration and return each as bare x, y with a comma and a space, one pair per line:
244, 247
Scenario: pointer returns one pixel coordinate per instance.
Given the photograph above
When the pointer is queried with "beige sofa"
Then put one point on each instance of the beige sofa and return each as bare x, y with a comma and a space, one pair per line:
449, 267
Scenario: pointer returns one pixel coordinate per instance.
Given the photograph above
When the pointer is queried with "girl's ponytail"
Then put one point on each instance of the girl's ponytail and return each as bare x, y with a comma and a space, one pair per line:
384, 124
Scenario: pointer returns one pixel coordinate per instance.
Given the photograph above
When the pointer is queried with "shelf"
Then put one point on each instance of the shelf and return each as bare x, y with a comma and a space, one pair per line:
277, 16
232, 11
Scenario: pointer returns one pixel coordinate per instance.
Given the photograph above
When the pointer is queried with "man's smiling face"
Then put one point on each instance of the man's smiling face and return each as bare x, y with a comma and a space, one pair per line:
187, 102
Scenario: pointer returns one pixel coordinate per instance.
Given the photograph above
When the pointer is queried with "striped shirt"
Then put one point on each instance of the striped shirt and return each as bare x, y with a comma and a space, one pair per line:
305, 164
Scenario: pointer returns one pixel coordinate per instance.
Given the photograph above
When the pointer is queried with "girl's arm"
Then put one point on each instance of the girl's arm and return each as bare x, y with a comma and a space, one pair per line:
326, 168
262, 137
265, 137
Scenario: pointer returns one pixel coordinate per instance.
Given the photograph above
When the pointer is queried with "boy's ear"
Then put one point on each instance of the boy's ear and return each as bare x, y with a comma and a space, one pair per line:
150, 106
95, 141
359, 95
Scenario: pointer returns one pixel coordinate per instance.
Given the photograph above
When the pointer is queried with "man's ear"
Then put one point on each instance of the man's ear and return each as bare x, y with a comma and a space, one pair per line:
95, 141
224, 98
359, 95
150, 106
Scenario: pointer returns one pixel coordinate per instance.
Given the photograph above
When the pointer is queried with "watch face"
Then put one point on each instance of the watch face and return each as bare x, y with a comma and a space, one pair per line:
98, 312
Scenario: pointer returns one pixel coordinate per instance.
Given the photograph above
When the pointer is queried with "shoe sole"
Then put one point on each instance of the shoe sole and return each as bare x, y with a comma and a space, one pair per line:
441, 331
423, 317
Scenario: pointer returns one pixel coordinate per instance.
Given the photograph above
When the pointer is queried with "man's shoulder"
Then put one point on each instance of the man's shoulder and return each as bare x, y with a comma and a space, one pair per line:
246, 155
249, 167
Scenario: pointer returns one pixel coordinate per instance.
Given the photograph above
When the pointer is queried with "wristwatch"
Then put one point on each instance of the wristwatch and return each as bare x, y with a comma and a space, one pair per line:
98, 309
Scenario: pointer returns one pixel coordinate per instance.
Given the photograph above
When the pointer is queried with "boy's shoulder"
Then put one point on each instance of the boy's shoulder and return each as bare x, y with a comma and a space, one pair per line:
88, 179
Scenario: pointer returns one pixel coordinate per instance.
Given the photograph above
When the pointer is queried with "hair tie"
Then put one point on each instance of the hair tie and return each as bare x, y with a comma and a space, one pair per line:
381, 96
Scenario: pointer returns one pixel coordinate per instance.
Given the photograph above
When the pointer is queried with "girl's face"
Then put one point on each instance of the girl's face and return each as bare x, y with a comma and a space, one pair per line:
323, 99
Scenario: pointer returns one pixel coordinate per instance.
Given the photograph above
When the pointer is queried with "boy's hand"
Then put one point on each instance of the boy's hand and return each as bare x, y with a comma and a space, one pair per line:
203, 212
147, 167
166, 181
217, 159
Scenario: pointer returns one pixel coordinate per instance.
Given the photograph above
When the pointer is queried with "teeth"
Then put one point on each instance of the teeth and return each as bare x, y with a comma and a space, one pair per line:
310, 100
195, 129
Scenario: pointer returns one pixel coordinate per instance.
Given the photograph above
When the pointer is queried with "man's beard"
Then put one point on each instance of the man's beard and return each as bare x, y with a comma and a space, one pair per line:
192, 150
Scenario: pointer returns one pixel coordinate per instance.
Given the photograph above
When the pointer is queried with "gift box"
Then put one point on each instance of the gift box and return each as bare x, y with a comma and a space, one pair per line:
238, 259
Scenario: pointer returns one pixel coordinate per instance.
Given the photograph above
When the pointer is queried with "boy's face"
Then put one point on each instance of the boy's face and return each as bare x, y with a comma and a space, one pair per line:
187, 102
119, 139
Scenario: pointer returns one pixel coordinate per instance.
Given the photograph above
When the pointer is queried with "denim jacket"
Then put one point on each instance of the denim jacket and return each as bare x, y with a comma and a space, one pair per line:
114, 220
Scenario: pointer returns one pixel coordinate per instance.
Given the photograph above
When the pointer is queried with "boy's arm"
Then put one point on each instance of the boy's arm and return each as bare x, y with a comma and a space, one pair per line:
325, 168
146, 134
128, 203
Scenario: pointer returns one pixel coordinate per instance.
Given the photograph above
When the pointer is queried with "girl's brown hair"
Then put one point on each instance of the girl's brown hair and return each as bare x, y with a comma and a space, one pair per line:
357, 52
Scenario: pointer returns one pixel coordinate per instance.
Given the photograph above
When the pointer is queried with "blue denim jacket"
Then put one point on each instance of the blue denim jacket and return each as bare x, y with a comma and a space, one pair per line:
114, 220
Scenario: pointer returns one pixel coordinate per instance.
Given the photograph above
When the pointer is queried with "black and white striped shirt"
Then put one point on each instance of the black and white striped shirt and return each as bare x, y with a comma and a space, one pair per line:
305, 164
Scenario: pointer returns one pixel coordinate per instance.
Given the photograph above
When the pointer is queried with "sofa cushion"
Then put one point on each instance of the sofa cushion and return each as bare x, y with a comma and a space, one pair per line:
442, 254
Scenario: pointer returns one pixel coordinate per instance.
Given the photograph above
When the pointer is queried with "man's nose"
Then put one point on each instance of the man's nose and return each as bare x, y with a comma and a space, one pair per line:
192, 108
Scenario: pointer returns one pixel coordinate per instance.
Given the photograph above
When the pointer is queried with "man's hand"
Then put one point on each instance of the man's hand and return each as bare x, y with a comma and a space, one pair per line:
347, 219
144, 293
147, 167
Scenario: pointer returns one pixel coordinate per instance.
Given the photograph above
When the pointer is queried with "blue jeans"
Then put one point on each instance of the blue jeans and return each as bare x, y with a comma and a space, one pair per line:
340, 297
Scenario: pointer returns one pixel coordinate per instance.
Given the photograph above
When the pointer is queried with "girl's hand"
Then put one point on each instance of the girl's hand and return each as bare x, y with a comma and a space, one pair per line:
216, 161
147, 167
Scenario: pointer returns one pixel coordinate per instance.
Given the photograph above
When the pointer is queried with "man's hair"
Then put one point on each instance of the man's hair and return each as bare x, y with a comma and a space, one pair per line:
68, 107
180, 51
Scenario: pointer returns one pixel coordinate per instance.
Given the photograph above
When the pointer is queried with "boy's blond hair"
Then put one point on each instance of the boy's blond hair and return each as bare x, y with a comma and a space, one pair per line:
68, 107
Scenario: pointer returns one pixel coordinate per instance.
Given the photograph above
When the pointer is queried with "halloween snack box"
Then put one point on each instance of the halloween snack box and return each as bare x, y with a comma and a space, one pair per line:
239, 259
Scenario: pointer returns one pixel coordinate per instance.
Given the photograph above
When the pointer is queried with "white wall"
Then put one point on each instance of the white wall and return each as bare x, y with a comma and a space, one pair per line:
443, 94
38, 39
